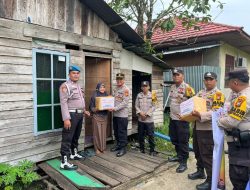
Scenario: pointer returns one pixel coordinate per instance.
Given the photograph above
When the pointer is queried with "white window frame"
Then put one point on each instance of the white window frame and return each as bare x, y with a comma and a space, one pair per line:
35, 106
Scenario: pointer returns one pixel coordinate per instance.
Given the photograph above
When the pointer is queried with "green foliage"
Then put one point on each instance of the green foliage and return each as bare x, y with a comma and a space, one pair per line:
142, 13
17, 176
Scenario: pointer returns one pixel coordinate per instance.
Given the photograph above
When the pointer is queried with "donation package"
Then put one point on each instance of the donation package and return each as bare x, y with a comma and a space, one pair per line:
105, 103
187, 107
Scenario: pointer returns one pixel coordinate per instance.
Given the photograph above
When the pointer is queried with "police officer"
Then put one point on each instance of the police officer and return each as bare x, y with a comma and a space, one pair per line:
179, 130
237, 128
203, 143
72, 108
145, 107
120, 116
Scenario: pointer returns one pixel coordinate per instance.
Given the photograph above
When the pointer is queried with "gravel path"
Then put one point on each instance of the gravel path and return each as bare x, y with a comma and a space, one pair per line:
170, 180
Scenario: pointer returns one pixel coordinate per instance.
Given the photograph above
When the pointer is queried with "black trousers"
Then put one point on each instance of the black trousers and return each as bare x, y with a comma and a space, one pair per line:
179, 135
196, 150
120, 126
71, 136
143, 130
239, 168
206, 146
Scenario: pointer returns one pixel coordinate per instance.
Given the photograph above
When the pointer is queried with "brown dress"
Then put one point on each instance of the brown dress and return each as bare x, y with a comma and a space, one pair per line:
99, 123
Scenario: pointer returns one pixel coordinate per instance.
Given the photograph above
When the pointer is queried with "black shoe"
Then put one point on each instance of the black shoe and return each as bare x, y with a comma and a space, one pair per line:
181, 168
204, 186
173, 159
142, 151
152, 153
115, 148
199, 174
121, 152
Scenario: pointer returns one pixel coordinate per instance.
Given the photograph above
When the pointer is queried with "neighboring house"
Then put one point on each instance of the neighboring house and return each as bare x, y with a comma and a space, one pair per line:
38, 41
215, 47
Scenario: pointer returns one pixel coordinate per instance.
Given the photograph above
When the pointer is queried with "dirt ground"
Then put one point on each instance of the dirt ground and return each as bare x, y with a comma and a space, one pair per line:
170, 180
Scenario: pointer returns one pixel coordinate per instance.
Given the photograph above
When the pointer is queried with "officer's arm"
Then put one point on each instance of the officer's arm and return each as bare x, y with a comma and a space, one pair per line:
236, 115
124, 102
151, 110
137, 105
63, 101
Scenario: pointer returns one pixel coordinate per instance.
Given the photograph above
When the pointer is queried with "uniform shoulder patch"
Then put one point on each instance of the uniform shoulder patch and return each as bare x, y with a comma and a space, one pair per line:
189, 91
239, 108
63, 88
126, 92
218, 100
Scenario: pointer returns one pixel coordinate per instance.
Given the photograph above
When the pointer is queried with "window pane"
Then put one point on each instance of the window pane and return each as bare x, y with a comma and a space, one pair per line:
59, 66
58, 123
43, 92
57, 85
43, 65
44, 118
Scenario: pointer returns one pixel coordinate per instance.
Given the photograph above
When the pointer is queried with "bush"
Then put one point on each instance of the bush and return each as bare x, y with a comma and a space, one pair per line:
17, 177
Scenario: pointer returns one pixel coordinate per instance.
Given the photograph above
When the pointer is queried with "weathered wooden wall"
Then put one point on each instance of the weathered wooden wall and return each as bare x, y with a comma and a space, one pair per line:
66, 15
157, 79
17, 140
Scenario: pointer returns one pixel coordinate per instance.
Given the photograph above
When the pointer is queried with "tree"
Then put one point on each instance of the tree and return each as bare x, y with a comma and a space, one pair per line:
142, 13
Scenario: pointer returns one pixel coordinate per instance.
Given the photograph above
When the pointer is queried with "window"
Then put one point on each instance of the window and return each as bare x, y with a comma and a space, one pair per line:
229, 66
49, 72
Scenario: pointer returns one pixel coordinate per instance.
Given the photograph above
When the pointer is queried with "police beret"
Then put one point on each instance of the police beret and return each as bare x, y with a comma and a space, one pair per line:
177, 71
211, 75
74, 68
145, 83
241, 74
120, 76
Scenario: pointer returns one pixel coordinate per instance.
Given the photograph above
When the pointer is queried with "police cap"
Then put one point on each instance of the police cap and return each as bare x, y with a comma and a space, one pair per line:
74, 68
120, 76
145, 83
211, 75
177, 71
241, 74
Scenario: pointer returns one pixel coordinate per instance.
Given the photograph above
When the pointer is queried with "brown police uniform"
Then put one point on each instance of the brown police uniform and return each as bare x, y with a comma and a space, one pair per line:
72, 108
120, 116
179, 130
237, 128
204, 144
144, 103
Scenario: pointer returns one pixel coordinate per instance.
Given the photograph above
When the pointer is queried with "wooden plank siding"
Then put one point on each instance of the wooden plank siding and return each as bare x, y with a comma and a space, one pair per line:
66, 15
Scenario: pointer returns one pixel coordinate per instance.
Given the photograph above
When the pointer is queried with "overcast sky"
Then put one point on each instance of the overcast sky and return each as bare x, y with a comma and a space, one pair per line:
235, 12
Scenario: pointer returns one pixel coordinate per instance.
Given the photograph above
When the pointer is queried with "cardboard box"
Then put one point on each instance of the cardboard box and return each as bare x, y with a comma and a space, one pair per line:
194, 103
105, 103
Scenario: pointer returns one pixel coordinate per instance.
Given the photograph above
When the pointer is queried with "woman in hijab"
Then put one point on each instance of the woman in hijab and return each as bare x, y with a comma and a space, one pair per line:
99, 120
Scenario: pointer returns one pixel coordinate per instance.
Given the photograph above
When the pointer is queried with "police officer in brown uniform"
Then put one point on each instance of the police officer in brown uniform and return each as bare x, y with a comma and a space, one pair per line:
145, 107
179, 130
237, 128
203, 143
120, 115
72, 108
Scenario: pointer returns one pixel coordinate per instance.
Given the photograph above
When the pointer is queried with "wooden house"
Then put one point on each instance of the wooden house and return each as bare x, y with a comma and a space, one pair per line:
39, 39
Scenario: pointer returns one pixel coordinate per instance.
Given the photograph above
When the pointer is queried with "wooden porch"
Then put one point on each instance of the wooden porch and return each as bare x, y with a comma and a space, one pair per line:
112, 172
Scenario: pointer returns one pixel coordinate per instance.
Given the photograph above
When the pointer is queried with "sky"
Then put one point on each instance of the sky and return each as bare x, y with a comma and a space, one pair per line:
235, 12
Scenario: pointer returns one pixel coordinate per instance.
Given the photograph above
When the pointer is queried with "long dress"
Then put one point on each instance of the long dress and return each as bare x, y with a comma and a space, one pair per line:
99, 123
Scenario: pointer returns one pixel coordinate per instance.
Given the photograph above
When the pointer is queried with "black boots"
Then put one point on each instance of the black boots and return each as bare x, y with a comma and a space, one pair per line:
199, 174
182, 167
205, 185
121, 152
65, 165
115, 148
173, 159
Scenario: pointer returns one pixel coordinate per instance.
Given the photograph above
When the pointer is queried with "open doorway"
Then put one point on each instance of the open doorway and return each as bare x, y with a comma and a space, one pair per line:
137, 78
96, 70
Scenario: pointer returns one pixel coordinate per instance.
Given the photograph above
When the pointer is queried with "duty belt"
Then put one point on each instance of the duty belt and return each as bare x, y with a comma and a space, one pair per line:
76, 111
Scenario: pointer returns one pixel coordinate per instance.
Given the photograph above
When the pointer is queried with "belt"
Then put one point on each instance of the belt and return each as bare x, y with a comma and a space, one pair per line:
76, 111
229, 133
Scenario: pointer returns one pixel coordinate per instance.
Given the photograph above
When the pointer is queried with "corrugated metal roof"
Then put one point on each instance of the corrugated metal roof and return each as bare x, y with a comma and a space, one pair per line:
189, 49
